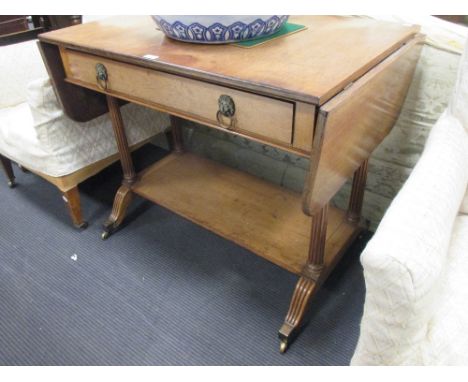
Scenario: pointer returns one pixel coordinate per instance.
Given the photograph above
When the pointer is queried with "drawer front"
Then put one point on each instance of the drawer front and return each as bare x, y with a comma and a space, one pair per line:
252, 114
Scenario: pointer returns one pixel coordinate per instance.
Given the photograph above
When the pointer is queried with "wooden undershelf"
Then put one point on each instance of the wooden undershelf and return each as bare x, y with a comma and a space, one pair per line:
258, 215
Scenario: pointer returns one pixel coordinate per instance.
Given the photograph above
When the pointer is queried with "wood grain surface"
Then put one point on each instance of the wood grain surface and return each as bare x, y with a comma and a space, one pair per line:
265, 117
260, 216
352, 124
311, 66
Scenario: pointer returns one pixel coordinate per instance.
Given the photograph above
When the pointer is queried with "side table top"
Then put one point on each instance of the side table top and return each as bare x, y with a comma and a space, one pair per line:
310, 66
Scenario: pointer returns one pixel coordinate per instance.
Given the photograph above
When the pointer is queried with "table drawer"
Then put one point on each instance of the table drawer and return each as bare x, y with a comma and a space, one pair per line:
207, 103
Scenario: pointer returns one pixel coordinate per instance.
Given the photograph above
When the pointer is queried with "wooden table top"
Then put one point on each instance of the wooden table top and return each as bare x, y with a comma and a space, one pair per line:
310, 66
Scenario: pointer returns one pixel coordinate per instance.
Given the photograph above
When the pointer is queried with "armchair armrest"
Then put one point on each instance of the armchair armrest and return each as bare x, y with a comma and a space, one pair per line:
426, 206
407, 255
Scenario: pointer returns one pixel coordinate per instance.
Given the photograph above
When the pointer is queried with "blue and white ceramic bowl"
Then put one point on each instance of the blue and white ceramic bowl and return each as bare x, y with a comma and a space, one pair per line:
218, 29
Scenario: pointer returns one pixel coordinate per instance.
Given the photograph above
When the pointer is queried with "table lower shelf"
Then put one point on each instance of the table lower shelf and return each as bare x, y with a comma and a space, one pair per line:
265, 218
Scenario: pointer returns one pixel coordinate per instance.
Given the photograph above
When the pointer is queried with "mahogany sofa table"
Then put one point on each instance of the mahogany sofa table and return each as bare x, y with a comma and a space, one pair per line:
330, 93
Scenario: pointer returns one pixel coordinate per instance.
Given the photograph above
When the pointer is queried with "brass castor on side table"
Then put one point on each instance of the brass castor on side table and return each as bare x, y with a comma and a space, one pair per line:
11, 184
283, 346
105, 235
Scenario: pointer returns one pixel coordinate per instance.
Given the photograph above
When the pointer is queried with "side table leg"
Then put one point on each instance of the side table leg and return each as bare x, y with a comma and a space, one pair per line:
357, 192
121, 202
176, 130
308, 282
299, 304
124, 194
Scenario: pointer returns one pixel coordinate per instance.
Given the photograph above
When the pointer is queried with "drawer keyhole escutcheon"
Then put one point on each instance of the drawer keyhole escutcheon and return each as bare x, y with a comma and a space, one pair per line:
226, 108
101, 76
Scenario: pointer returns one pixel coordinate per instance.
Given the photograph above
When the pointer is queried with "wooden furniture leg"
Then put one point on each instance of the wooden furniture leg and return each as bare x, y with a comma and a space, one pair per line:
72, 200
8, 169
176, 130
357, 192
308, 282
124, 193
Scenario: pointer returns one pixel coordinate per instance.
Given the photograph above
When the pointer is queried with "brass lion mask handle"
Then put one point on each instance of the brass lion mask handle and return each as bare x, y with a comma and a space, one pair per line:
227, 109
101, 76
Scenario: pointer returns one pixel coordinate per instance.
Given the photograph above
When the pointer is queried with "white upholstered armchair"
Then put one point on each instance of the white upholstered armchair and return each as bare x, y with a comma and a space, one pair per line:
35, 132
416, 265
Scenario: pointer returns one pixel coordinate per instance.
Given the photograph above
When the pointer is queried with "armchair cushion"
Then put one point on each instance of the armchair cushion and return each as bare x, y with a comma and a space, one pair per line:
459, 106
21, 63
18, 139
407, 261
447, 330
459, 101
41, 137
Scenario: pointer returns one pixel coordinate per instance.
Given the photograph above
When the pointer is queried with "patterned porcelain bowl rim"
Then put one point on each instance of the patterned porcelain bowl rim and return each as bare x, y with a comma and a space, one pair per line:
219, 29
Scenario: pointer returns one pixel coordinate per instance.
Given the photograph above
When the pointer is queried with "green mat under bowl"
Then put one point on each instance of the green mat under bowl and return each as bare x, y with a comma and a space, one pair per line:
287, 29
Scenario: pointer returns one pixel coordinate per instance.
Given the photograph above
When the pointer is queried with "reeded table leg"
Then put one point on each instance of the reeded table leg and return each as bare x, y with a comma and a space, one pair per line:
124, 194
308, 282
357, 192
121, 202
299, 303
176, 130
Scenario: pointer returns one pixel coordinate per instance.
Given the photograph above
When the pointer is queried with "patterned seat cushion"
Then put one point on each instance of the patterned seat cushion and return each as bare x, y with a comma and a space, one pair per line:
46, 140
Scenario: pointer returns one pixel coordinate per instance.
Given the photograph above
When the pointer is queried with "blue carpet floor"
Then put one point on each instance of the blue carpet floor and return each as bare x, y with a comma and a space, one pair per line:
161, 291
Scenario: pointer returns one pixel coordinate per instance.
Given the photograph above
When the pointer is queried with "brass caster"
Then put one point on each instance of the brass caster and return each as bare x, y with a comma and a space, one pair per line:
11, 184
105, 235
283, 346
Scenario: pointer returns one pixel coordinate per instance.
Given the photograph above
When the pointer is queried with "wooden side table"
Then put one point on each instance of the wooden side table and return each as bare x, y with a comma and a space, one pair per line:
330, 93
